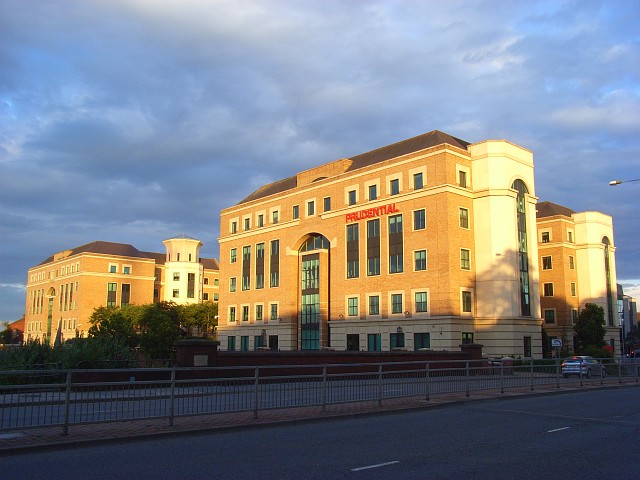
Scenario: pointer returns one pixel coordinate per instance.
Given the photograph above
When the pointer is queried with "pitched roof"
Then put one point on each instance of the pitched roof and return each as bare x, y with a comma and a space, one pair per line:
549, 209
106, 248
210, 263
410, 145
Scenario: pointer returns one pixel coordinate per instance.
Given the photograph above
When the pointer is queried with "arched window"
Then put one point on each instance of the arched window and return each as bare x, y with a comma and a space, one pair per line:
523, 259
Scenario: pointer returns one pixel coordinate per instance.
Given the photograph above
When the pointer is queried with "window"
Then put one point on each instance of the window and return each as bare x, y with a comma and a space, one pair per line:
111, 294
394, 186
352, 197
311, 208
374, 305
176, 276
258, 342
418, 181
373, 247
216, 282
462, 178
258, 313
246, 253
467, 337
233, 255
421, 341
548, 289
464, 217
206, 281
465, 259
466, 301
353, 252
232, 284
546, 263
327, 204
260, 250
396, 340
261, 220
420, 260
113, 268
373, 192
215, 297
247, 224
126, 270
259, 280
374, 342
574, 315
395, 224
246, 282
419, 219
572, 264
191, 285
573, 289
232, 314
353, 306
275, 217
546, 237
274, 312
205, 297
570, 236
245, 313
396, 263
526, 343
549, 316
274, 279
234, 227
353, 342
244, 343
231, 344
396, 303
421, 302
176, 293
296, 212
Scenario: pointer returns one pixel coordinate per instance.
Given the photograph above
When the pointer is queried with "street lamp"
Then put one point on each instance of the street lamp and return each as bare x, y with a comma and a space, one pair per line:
613, 183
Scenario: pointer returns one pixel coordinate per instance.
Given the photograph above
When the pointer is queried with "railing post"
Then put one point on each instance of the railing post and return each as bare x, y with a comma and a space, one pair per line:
67, 404
531, 372
380, 385
558, 368
172, 396
256, 392
501, 375
324, 388
428, 385
468, 378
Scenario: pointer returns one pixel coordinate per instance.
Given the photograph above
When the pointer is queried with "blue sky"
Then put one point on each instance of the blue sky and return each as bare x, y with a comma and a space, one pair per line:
136, 120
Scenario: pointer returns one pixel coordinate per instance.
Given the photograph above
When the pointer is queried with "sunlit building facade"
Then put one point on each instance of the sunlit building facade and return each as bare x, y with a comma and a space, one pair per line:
577, 266
64, 290
423, 244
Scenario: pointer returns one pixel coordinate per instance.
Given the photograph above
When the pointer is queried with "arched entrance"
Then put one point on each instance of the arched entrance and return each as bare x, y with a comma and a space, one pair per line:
313, 294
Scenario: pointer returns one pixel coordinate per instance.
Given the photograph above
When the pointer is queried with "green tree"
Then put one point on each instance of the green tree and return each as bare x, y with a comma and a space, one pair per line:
198, 319
589, 328
116, 326
159, 329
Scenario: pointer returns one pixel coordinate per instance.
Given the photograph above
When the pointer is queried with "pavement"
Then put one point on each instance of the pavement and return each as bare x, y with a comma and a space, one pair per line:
15, 442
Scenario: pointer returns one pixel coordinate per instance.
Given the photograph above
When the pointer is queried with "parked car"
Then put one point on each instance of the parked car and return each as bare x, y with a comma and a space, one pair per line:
582, 365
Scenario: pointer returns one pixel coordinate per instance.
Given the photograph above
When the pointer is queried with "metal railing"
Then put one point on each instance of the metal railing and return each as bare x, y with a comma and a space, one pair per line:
72, 397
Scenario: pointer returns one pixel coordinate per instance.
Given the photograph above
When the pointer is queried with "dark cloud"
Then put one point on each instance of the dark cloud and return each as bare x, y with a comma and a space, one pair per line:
130, 120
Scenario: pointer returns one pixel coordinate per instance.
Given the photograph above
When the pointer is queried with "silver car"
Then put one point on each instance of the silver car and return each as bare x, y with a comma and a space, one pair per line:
582, 365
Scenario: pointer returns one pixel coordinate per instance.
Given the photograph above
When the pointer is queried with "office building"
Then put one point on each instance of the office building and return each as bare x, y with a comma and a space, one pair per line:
64, 290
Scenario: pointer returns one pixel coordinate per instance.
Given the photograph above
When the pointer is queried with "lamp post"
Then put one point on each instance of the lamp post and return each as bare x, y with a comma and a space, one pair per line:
613, 183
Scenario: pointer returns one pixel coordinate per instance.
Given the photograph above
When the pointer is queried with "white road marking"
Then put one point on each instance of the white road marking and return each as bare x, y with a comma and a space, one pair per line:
558, 429
374, 466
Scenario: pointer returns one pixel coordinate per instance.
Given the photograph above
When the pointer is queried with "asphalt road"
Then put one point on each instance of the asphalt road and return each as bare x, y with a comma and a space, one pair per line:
584, 435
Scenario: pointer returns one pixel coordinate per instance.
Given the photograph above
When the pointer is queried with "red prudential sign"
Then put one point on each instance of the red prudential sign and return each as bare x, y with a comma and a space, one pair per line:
371, 212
